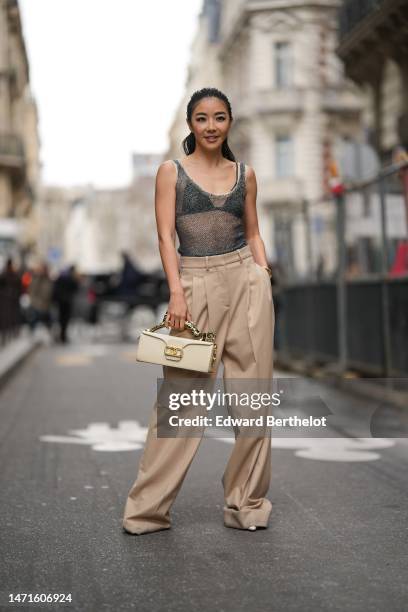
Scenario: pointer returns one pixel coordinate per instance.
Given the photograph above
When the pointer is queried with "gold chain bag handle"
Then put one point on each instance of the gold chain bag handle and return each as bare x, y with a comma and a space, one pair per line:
205, 336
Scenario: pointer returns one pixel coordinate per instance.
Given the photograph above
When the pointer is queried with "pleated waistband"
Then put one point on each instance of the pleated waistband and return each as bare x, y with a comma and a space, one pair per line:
211, 261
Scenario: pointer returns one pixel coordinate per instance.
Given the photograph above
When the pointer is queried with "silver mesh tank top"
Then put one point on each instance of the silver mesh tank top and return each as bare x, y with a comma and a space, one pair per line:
207, 223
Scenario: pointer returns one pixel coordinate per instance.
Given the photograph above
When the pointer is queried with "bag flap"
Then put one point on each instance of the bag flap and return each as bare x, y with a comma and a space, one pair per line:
176, 341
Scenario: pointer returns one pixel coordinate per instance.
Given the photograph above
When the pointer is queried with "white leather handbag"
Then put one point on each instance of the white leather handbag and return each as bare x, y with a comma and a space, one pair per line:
197, 354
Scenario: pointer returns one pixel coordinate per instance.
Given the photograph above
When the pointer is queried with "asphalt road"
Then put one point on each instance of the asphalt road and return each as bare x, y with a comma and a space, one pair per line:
72, 428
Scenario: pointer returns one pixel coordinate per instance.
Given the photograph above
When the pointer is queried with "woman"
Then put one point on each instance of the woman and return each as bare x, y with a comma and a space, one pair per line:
224, 285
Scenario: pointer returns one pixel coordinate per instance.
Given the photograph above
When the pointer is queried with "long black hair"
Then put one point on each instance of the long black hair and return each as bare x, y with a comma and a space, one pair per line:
189, 143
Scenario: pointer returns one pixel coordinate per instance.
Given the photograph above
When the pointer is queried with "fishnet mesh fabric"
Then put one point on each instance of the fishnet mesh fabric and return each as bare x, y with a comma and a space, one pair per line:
209, 224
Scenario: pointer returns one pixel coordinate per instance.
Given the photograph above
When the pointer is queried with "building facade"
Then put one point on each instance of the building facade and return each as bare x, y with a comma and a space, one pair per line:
19, 140
139, 230
204, 70
91, 227
373, 45
293, 108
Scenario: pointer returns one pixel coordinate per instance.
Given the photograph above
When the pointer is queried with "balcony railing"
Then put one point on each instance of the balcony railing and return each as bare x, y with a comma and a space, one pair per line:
353, 12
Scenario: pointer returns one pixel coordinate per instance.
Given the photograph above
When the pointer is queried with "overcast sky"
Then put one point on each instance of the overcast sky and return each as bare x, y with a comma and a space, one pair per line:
107, 76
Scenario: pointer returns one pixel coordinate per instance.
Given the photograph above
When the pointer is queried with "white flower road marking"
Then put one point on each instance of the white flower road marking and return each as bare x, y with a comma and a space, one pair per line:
130, 435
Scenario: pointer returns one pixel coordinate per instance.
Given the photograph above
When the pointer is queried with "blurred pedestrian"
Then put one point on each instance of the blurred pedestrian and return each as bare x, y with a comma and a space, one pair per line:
65, 288
130, 277
40, 292
320, 268
10, 293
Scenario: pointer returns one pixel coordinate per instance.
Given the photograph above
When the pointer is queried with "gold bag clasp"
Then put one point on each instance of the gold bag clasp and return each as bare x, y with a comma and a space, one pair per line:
173, 352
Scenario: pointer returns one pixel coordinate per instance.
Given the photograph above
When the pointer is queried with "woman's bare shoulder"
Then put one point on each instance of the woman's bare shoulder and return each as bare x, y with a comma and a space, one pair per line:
167, 164
167, 171
249, 172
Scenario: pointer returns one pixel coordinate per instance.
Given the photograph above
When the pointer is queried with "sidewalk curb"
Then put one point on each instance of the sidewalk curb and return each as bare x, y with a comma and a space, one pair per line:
348, 382
14, 354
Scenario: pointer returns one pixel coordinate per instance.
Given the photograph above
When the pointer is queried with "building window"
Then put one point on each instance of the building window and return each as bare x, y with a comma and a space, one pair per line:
283, 64
284, 156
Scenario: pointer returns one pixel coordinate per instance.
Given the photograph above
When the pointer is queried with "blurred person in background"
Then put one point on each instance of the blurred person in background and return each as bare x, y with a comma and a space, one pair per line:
130, 277
65, 288
10, 293
40, 292
320, 268
10, 278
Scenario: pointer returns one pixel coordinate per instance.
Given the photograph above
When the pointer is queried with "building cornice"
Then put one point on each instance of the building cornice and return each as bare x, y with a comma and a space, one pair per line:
251, 7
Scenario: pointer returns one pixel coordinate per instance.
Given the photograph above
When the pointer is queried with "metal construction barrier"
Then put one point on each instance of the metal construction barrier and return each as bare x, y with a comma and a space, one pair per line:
308, 327
351, 310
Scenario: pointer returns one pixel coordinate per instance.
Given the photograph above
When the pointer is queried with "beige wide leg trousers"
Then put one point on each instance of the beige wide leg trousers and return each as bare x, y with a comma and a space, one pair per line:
231, 295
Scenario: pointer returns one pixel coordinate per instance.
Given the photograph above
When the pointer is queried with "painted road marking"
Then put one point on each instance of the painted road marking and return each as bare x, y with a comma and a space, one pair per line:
130, 435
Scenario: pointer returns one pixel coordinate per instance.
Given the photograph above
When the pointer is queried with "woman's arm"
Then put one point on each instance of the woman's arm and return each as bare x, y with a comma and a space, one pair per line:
165, 211
252, 234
